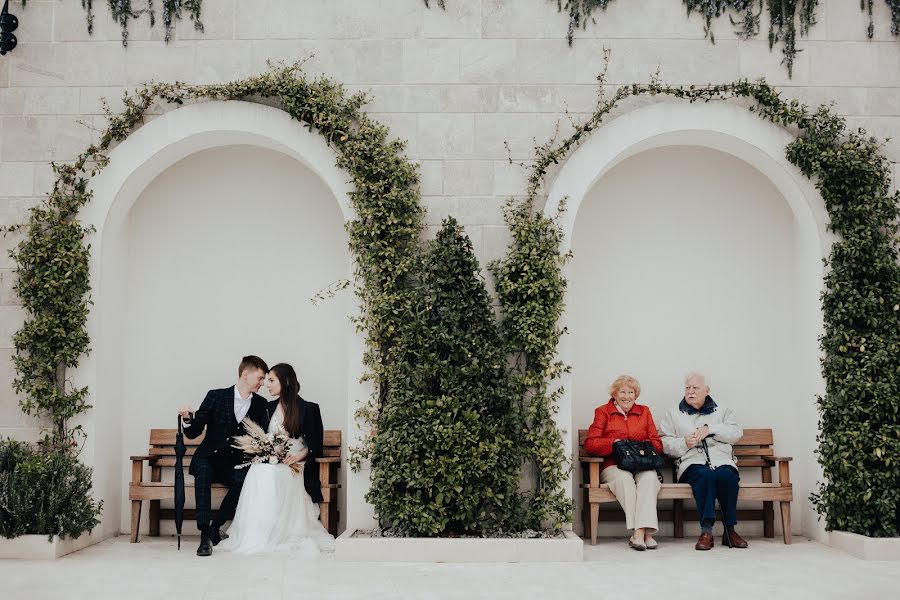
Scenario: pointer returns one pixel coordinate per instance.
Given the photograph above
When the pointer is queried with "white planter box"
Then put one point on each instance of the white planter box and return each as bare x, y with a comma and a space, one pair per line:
569, 548
37, 546
866, 548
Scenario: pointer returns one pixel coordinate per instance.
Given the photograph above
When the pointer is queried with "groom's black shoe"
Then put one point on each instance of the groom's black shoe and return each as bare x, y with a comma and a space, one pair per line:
206, 545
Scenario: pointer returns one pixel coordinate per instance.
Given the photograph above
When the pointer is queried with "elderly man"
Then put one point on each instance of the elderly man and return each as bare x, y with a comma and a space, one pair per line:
699, 434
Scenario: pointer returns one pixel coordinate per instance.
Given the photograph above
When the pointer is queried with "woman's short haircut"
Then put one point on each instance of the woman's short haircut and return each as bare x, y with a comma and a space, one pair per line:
622, 381
252, 362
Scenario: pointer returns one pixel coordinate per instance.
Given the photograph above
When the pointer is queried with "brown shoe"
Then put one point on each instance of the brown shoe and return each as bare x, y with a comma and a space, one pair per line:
705, 542
736, 541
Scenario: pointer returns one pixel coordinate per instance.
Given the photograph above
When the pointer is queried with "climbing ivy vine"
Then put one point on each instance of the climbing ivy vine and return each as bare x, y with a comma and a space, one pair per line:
859, 414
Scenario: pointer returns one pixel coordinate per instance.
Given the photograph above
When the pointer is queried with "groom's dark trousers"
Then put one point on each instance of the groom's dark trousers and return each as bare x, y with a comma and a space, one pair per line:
215, 459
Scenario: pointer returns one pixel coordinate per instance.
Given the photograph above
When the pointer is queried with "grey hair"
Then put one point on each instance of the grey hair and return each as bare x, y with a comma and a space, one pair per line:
696, 375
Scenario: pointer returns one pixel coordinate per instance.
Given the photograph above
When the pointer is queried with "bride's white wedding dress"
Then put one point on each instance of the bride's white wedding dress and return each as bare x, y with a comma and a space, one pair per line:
274, 513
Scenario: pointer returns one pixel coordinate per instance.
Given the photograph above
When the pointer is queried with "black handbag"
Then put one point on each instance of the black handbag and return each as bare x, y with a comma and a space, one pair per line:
637, 456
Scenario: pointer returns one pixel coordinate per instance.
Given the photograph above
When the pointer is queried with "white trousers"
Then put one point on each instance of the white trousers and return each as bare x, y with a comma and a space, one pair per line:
637, 494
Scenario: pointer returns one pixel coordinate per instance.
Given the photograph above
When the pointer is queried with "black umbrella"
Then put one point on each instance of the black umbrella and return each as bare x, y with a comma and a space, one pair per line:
179, 481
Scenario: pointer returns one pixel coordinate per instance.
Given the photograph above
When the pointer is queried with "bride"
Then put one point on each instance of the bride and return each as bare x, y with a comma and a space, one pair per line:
278, 508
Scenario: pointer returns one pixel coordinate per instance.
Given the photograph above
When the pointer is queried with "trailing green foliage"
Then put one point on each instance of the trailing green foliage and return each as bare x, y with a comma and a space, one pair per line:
408, 300
894, 5
123, 11
446, 459
859, 415
52, 261
531, 290
746, 15
44, 491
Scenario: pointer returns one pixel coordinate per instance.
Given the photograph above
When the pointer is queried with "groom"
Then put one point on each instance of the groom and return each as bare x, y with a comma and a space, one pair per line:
221, 414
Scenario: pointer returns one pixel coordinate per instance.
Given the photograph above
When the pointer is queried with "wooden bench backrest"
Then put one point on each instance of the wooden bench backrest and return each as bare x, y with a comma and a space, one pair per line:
162, 445
749, 450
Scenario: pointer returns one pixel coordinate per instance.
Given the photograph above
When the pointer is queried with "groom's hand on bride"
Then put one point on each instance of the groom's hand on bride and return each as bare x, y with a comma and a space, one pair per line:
291, 459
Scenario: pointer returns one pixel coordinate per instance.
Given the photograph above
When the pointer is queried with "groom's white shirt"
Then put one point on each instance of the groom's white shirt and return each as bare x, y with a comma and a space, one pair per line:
241, 407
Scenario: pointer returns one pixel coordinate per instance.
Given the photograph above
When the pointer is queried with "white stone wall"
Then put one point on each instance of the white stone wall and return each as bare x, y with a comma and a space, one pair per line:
457, 84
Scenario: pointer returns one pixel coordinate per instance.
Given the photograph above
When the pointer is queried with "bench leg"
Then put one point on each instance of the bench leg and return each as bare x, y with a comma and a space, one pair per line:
595, 522
678, 517
135, 520
786, 521
324, 515
585, 517
769, 519
154, 518
155, 475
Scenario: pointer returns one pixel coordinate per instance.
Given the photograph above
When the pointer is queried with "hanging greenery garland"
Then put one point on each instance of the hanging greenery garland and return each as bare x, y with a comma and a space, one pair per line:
786, 18
123, 11
859, 415
894, 5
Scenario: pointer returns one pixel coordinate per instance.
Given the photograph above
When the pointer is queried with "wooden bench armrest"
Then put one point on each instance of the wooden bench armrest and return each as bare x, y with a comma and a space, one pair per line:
141, 458
329, 459
784, 468
592, 459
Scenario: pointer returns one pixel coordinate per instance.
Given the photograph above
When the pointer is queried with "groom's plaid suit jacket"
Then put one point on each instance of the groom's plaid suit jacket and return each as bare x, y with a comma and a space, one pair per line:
216, 415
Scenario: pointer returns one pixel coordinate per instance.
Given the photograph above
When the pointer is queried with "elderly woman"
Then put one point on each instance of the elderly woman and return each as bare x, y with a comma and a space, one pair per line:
623, 419
699, 433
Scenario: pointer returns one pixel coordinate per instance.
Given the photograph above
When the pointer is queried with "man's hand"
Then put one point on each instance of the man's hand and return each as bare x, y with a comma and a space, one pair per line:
186, 412
691, 440
702, 432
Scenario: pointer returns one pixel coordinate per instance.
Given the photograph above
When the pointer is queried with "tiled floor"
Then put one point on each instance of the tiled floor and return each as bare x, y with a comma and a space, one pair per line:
154, 569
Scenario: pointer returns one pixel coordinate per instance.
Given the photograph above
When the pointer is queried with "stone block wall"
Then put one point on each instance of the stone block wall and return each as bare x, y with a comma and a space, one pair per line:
468, 87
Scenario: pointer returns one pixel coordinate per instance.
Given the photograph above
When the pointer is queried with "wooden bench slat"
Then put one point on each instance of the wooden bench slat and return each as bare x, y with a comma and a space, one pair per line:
746, 451
756, 437
751, 437
166, 437
682, 491
169, 461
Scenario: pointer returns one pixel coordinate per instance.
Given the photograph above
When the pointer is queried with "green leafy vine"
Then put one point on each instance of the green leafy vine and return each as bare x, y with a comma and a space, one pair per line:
745, 15
123, 11
403, 287
859, 415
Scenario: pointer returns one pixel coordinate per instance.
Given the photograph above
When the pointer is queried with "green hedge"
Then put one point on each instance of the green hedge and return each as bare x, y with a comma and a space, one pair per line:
447, 459
44, 491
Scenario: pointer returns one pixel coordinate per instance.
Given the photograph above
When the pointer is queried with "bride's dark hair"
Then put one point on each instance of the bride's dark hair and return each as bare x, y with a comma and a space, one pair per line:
289, 398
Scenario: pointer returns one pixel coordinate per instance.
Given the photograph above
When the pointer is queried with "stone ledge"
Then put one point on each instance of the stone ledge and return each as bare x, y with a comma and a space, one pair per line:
37, 546
864, 547
459, 550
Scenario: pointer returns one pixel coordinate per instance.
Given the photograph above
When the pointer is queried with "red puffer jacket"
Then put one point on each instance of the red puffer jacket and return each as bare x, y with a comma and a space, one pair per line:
610, 425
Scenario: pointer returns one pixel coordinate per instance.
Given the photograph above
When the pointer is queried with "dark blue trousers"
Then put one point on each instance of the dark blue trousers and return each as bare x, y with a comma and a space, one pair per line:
708, 484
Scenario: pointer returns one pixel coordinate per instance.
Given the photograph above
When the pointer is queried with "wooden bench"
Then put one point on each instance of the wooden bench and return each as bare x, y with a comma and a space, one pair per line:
752, 450
162, 455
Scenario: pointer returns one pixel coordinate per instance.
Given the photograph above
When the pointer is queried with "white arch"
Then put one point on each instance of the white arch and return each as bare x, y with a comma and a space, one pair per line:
736, 131
133, 165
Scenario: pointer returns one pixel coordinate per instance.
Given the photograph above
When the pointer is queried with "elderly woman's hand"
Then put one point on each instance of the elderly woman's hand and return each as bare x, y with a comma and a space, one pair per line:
691, 440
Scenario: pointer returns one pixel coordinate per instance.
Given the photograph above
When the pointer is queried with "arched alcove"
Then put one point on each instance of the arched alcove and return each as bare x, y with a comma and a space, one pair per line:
653, 177
211, 182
